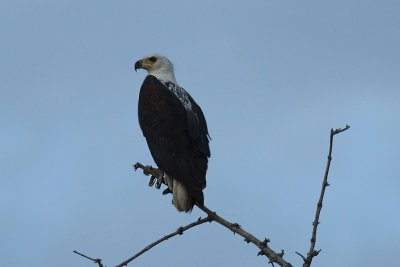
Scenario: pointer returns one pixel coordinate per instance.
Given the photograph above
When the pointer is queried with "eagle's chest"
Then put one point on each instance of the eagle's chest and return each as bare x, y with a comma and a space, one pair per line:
160, 108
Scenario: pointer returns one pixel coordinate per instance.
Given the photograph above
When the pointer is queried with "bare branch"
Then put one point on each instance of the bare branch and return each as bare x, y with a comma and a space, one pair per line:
98, 261
312, 252
179, 231
273, 257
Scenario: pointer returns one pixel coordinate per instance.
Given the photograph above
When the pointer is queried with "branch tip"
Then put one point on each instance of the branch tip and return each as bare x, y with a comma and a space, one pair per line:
304, 258
339, 130
98, 261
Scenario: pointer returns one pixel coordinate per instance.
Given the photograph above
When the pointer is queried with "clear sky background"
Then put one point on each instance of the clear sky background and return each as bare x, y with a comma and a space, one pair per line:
272, 78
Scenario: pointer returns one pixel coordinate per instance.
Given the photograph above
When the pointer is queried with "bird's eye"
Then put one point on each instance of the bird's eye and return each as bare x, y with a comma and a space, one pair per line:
153, 59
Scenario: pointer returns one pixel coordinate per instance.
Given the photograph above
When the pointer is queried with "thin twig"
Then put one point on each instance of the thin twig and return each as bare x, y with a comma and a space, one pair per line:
98, 261
312, 252
179, 231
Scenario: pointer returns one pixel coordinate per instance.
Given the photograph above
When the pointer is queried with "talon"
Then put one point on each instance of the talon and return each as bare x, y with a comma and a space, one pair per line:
167, 191
160, 181
152, 181
157, 175
137, 165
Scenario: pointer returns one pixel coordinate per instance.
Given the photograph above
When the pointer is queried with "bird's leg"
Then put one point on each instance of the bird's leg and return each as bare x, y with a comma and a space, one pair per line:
156, 174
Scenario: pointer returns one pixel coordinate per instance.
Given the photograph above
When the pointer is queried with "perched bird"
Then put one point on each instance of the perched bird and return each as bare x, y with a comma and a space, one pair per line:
175, 130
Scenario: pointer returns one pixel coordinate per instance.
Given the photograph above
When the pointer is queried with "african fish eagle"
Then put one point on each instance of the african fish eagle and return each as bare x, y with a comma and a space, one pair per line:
175, 130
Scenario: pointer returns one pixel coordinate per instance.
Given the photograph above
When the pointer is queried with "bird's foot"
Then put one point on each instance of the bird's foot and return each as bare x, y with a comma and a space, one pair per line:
157, 175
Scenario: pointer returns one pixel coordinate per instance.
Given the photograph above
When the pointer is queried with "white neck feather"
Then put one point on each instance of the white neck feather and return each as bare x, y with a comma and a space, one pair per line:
164, 74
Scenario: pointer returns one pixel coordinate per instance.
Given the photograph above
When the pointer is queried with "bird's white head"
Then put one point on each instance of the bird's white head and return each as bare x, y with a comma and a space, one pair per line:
158, 66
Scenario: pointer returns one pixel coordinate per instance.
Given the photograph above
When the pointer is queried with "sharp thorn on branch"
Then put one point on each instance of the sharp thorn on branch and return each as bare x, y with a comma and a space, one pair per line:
236, 225
180, 230
316, 252
265, 242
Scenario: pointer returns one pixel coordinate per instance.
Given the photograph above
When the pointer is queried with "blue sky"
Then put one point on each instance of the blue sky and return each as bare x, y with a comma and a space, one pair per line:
272, 78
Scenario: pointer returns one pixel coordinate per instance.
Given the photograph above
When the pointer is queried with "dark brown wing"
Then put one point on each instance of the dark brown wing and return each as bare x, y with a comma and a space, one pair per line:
177, 138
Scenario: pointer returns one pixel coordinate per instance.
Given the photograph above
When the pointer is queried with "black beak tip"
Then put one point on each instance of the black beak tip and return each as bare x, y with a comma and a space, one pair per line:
138, 65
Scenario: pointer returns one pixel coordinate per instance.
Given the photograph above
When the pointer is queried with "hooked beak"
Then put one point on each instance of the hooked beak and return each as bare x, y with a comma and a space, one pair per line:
138, 65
